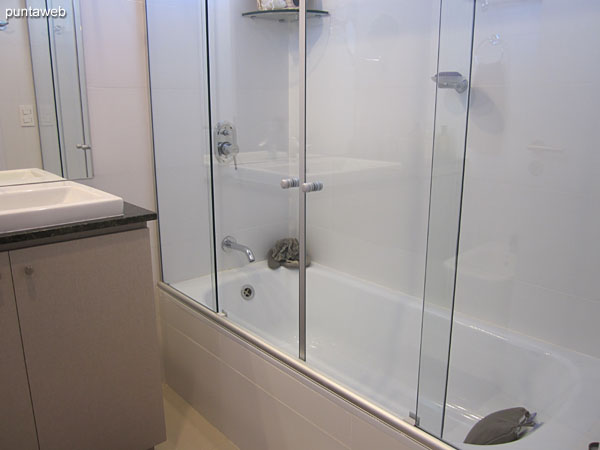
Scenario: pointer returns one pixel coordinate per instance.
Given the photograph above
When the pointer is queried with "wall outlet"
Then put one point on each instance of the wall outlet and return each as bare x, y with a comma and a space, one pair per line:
26, 115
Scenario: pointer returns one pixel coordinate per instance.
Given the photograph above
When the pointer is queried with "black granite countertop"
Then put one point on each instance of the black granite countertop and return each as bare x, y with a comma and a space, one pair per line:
133, 217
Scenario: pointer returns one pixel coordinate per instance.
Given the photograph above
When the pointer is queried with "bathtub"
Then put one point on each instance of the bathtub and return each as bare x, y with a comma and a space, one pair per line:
367, 338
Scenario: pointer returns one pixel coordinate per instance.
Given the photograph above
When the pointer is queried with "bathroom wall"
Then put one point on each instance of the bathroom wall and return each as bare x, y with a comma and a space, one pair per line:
529, 250
249, 88
114, 35
19, 146
370, 107
250, 84
364, 108
117, 83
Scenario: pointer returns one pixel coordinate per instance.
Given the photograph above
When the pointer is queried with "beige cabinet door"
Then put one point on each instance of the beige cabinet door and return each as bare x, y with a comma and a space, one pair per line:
87, 317
17, 428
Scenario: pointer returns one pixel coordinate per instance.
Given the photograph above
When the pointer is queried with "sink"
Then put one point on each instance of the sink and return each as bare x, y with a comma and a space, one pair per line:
47, 204
24, 176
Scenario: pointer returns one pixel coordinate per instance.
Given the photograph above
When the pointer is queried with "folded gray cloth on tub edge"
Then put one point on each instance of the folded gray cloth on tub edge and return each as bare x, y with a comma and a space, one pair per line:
286, 253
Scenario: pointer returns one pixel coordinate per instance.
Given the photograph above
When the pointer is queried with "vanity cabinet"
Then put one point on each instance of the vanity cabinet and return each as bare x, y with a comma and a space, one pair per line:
88, 331
17, 429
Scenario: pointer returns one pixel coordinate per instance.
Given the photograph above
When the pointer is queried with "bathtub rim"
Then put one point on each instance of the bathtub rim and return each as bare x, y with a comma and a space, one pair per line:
301, 368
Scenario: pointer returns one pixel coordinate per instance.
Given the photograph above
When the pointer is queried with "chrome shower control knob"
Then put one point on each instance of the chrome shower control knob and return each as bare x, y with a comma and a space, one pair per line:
228, 149
312, 187
288, 183
28, 270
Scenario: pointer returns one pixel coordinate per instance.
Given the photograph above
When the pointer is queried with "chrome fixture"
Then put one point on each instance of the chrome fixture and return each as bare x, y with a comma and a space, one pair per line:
225, 142
247, 292
312, 187
288, 183
451, 80
229, 243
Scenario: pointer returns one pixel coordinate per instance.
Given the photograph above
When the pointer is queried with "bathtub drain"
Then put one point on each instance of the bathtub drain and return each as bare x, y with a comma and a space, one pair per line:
247, 292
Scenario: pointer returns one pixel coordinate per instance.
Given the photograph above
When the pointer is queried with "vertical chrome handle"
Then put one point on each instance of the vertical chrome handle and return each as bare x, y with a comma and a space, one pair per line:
312, 187
288, 183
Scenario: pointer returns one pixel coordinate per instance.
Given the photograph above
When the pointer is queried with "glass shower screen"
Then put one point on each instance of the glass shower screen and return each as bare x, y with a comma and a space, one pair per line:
253, 67
452, 79
370, 108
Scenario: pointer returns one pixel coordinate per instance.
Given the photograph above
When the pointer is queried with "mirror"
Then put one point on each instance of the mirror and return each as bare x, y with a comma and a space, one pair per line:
43, 103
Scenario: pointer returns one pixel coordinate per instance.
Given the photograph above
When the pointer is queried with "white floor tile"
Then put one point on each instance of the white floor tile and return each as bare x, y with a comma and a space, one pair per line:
187, 429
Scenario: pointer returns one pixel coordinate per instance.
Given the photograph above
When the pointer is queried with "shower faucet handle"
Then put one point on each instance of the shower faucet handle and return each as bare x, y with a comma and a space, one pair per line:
227, 149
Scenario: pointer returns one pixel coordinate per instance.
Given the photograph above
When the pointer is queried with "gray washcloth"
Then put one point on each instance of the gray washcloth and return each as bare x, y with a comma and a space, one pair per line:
501, 427
286, 252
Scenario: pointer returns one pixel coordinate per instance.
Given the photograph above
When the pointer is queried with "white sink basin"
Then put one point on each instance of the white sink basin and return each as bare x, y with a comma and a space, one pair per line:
23, 176
42, 205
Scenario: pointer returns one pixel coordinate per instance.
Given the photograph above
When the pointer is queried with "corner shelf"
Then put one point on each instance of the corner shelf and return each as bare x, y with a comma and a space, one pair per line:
284, 15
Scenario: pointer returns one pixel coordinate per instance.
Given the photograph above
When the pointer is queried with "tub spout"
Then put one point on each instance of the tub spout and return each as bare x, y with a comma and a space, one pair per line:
229, 243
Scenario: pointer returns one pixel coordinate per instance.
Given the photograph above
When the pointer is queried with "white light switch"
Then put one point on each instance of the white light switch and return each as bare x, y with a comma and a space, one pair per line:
26, 115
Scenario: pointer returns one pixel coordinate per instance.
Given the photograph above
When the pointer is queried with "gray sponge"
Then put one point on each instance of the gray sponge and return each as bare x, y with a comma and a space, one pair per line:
286, 252
501, 427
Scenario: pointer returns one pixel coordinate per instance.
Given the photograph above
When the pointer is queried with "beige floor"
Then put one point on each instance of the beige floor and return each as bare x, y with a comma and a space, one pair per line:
187, 429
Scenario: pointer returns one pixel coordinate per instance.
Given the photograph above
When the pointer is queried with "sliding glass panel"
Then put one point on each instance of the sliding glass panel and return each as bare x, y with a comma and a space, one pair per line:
527, 303
452, 100
253, 63
179, 89
370, 109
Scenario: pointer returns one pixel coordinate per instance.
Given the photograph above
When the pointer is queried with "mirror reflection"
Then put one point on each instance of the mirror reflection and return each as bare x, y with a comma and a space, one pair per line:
44, 131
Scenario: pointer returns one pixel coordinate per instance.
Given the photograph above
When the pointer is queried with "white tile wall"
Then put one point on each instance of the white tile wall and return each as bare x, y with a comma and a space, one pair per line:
250, 83
370, 96
115, 43
114, 38
529, 250
249, 90
115, 58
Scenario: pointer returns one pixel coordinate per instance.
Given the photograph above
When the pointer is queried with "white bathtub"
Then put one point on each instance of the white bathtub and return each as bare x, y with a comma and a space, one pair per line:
367, 338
